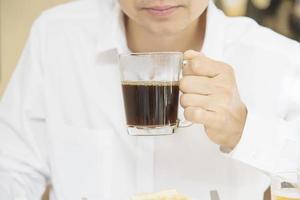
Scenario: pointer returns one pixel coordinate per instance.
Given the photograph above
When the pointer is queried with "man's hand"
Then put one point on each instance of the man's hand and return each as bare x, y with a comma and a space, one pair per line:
210, 97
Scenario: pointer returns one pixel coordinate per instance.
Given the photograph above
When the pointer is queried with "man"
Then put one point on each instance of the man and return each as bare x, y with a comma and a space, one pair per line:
62, 116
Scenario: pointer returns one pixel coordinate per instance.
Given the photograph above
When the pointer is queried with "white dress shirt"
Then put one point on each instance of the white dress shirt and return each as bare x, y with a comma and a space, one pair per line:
62, 119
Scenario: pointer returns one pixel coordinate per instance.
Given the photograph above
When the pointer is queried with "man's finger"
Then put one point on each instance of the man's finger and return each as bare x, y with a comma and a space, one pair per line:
196, 100
196, 85
199, 64
199, 115
190, 54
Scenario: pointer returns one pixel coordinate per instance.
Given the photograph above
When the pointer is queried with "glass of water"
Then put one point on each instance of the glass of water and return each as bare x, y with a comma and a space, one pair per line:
286, 186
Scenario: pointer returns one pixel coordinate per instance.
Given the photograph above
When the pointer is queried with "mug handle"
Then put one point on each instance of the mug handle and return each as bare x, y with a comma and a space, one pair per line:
183, 123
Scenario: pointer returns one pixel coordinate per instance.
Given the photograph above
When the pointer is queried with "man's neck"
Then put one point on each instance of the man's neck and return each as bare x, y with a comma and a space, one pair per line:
140, 40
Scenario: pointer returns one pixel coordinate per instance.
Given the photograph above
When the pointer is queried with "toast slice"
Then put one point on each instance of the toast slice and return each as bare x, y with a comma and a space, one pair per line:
163, 195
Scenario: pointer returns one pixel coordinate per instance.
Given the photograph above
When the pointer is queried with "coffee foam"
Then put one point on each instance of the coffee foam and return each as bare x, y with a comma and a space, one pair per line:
151, 83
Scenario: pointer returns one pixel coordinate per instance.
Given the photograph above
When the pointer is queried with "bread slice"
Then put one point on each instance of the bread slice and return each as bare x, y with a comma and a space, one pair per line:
163, 195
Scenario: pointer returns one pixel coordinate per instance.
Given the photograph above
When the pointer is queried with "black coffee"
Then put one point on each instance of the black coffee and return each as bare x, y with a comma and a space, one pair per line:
151, 103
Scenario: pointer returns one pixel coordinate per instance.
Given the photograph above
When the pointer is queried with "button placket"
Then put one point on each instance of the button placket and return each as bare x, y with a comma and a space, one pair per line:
145, 164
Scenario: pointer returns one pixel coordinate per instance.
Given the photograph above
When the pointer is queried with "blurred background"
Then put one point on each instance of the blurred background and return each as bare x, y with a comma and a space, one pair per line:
16, 17
282, 16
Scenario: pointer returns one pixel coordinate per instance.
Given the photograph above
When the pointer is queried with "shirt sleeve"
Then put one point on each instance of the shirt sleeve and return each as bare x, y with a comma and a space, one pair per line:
272, 143
23, 157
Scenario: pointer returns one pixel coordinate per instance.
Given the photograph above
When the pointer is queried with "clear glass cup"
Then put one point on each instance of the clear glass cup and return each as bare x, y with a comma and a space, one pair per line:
286, 186
150, 84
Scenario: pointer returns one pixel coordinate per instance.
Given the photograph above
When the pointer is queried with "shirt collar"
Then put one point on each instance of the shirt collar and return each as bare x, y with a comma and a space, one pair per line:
112, 33
214, 39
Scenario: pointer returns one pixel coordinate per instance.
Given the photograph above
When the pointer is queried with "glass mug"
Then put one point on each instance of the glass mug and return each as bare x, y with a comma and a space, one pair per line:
286, 186
150, 84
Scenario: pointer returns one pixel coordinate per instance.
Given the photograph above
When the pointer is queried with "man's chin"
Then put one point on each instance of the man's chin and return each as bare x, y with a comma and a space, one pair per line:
164, 31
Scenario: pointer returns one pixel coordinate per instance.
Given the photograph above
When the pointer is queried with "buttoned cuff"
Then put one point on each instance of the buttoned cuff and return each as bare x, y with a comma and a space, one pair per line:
260, 142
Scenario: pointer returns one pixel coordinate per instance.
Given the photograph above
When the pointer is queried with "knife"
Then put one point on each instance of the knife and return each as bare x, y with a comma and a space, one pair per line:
214, 195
